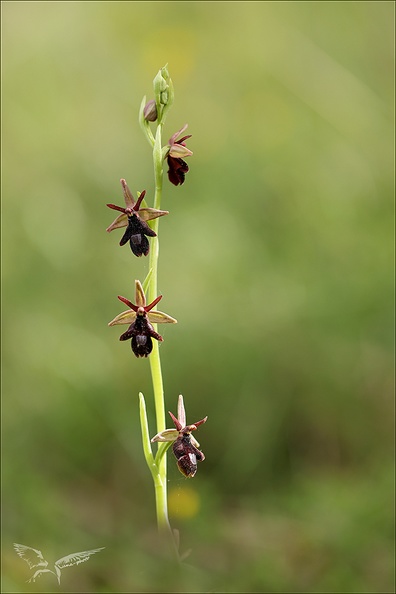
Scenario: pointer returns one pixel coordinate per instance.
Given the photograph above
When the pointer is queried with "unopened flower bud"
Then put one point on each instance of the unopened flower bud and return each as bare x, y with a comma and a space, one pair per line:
150, 111
163, 93
159, 84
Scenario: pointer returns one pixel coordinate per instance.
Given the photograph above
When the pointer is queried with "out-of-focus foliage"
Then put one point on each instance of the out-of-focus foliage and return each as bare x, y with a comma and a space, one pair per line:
276, 260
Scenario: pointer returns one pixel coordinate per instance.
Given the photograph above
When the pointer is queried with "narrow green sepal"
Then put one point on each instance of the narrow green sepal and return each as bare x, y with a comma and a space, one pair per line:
179, 151
140, 296
166, 435
126, 317
159, 317
149, 214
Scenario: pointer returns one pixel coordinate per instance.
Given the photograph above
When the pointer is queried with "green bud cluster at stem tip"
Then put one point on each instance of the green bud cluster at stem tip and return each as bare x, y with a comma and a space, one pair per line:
163, 93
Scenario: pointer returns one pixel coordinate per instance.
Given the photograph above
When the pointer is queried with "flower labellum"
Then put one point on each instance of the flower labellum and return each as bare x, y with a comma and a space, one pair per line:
187, 454
137, 233
141, 332
140, 317
134, 218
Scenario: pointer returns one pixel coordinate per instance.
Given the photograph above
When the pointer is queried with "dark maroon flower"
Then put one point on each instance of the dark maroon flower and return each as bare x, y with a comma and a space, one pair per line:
185, 446
177, 149
140, 317
134, 218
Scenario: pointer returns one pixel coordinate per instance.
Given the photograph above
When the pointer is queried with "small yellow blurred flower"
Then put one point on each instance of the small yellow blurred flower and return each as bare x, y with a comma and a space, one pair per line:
184, 502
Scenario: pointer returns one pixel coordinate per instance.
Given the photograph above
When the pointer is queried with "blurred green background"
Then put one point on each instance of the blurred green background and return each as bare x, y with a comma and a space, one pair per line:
276, 260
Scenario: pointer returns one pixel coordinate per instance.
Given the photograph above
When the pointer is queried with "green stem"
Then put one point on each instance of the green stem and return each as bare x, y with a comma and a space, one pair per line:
160, 482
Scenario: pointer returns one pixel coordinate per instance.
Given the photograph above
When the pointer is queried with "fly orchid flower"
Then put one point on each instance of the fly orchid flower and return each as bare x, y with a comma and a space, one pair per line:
185, 446
134, 218
140, 317
177, 149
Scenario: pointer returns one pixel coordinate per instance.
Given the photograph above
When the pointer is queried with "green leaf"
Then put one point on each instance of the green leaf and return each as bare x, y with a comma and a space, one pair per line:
148, 454
147, 280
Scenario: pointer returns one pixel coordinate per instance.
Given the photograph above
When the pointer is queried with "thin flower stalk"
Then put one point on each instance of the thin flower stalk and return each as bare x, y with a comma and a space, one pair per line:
163, 91
142, 317
160, 482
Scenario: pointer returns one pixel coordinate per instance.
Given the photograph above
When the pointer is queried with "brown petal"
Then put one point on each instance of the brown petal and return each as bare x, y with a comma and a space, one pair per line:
150, 306
177, 423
